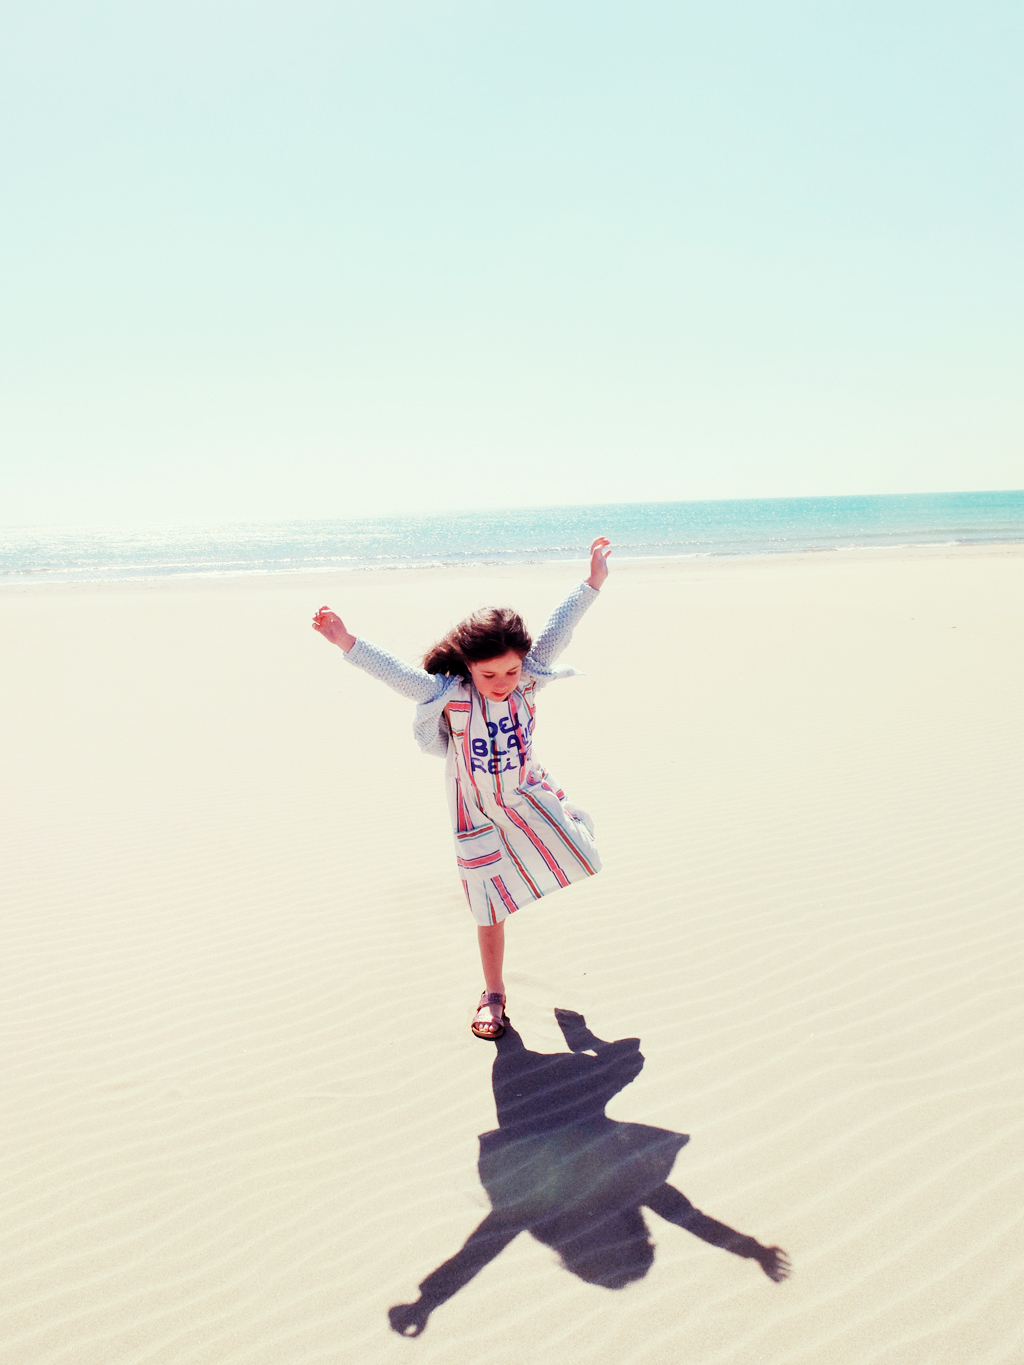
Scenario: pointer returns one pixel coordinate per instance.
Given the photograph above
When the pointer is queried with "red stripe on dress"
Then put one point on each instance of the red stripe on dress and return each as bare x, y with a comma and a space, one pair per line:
467, 753
520, 868
503, 892
462, 813
459, 706
467, 835
461, 816
560, 832
494, 757
538, 843
484, 860
518, 730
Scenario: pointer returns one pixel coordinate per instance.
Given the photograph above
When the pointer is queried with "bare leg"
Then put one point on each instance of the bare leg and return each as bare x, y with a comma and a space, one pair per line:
668, 1203
491, 939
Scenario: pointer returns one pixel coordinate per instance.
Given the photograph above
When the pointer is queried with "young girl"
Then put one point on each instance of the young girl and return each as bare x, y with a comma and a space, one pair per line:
516, 837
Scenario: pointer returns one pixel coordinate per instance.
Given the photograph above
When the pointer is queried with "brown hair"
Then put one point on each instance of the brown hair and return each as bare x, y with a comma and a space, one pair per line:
487, 634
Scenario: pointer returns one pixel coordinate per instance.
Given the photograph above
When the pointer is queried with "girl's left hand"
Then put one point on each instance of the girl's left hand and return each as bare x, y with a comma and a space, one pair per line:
599, 552
332, 628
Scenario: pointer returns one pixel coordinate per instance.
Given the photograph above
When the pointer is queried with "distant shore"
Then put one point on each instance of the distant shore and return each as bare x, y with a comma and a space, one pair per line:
540, 535
316, 581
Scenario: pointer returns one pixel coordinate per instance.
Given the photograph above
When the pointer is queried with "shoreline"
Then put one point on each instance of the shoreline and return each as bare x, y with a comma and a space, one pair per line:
439, 571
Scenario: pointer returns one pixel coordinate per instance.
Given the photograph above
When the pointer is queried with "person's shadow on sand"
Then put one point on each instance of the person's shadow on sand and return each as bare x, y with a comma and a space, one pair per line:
558, 1168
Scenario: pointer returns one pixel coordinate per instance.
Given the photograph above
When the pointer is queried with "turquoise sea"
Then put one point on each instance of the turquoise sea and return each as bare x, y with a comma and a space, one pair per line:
754, 526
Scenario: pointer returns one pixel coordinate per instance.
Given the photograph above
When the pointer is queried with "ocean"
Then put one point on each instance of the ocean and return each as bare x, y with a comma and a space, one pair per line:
754, 526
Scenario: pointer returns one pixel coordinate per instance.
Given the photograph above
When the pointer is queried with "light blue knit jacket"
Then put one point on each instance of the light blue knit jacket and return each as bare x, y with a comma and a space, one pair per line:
432, 691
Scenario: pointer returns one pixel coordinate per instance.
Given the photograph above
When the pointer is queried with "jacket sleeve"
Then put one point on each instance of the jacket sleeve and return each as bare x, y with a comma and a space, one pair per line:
414, 683
560, 625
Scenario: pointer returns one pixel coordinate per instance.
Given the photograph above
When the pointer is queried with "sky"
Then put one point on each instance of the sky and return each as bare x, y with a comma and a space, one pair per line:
297, 259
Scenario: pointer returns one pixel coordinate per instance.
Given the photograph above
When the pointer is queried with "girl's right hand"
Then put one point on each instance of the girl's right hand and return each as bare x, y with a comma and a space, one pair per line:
332, 628
600, 549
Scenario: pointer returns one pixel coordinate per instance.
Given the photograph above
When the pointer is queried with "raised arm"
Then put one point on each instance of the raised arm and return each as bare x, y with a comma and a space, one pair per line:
560, 625
414, 683
489, 1240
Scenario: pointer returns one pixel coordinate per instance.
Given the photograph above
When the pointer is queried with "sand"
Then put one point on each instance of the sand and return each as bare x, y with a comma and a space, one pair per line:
241, 1099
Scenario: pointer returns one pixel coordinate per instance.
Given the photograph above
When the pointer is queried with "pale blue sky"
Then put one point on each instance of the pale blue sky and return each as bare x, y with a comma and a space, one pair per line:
270, 259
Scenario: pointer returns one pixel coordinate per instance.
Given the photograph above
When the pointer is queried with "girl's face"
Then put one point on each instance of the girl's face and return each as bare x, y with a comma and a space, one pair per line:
496, 678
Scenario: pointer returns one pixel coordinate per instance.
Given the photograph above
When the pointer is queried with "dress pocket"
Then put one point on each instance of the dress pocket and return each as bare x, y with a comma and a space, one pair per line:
477, 848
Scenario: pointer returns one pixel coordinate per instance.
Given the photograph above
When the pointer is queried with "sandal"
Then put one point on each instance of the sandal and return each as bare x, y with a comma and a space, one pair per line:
489, 1029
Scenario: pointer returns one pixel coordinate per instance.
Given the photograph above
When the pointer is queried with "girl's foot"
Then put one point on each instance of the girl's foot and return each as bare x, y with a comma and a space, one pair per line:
490, 1019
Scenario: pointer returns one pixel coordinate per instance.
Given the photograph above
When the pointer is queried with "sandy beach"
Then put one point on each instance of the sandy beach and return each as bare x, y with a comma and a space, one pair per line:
242, 1102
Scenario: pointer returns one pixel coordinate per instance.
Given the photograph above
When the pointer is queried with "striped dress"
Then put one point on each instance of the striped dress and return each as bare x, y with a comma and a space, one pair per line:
516, 836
